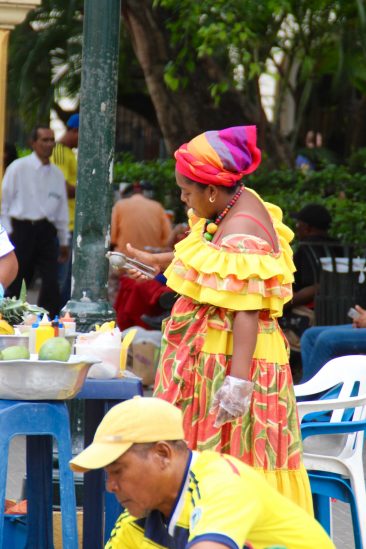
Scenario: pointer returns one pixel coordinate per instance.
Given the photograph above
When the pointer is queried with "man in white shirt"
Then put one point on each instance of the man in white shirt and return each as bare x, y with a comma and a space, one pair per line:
34, 212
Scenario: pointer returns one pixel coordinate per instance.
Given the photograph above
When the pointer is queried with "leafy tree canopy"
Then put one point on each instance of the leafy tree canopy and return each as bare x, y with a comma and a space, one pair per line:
248, 39
315, 49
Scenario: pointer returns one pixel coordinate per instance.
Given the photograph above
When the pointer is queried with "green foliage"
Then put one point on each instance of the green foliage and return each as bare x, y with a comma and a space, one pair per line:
23, 151
357, 160
14, 310
231, 43
44, 58
306, 43
170, 77
159, 173
324, 33
228, 32
342, 192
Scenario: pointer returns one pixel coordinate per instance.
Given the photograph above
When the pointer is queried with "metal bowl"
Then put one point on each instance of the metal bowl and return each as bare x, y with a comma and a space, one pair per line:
23, 339
11, 340
43, 379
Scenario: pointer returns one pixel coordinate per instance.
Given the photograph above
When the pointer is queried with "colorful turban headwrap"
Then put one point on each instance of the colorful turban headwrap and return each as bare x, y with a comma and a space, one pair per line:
220, 157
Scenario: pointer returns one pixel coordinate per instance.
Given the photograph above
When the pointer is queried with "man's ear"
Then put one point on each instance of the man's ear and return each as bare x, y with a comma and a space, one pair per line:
162, 454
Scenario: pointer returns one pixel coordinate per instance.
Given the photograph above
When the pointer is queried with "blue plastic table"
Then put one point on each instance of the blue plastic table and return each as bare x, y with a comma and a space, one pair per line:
100, 395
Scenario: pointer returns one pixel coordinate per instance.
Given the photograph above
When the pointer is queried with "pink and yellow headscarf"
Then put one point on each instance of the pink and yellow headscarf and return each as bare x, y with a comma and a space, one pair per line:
219, 157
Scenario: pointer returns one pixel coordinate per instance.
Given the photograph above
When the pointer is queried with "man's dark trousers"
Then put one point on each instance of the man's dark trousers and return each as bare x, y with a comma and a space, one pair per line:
36, 247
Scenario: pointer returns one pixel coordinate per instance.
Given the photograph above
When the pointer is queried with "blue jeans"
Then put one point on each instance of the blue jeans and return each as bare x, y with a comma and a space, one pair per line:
322, 343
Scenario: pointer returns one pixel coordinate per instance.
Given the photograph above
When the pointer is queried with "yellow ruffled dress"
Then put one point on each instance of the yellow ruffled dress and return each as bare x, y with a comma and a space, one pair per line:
214, 281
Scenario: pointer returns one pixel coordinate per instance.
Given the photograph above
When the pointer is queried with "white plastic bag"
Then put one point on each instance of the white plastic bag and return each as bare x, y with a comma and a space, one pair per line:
104, 345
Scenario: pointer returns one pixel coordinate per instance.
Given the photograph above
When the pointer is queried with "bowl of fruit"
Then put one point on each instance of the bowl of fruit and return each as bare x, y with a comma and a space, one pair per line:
53, 374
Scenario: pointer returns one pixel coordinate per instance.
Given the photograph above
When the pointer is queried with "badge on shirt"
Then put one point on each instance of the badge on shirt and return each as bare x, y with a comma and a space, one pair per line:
195, 517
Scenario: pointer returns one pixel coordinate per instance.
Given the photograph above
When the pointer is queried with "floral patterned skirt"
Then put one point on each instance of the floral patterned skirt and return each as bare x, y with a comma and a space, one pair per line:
196, 357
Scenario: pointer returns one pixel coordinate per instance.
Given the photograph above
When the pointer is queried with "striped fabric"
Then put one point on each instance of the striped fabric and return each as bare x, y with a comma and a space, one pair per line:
220, 157
58, 155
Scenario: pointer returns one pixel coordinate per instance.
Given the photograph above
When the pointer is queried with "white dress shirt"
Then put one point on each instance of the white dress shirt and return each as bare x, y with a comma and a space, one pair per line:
33, 191
5, 245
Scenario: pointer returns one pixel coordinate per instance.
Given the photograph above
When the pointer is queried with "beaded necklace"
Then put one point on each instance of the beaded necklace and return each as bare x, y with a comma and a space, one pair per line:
212, 226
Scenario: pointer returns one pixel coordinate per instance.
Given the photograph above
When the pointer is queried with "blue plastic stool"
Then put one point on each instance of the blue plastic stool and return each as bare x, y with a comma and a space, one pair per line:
331, 485
101, 509
15, 531
47, 420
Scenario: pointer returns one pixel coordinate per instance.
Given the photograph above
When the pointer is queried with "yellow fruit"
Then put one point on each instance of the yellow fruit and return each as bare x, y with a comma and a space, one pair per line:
5, 328
106, 326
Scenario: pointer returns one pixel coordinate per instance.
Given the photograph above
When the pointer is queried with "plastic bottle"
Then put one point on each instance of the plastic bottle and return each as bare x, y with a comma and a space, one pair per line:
32, 338
55, 325
43, 332
69, 324
61, 330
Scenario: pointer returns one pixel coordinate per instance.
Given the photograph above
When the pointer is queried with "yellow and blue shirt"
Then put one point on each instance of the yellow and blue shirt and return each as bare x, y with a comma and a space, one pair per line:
224, 501
65, 159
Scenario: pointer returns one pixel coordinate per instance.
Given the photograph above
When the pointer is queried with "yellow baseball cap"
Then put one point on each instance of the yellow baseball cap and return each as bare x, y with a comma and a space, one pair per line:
138, 420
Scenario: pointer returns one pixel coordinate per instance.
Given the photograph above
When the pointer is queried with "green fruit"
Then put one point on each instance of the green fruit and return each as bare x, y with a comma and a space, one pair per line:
15, 352
55, 348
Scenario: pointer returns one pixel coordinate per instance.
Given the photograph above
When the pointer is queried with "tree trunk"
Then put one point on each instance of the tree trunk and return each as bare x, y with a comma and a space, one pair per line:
190, 110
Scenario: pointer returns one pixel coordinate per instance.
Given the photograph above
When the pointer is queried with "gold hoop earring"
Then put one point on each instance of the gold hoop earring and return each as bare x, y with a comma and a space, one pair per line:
212, 199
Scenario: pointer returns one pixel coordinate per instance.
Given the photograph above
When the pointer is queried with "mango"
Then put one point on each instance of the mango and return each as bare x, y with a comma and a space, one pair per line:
15, 352
55, 348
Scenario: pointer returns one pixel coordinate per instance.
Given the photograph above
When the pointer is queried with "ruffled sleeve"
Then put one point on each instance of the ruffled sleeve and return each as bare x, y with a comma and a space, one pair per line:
241, 273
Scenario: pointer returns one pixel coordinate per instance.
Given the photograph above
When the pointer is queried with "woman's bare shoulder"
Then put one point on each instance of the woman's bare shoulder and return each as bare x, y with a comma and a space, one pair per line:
250, 217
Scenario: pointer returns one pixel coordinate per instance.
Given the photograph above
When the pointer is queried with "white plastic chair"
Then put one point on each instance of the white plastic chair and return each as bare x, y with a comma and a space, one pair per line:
338, 446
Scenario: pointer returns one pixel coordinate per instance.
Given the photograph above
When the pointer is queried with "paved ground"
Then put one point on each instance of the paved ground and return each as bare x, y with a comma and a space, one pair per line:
16, 468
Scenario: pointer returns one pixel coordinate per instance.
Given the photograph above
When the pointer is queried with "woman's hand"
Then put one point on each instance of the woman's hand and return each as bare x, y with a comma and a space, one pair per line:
158, 262
147, 258
232, 400
360, 322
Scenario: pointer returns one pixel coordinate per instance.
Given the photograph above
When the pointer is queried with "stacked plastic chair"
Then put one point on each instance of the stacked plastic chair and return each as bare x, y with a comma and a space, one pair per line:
45, 420
333, 421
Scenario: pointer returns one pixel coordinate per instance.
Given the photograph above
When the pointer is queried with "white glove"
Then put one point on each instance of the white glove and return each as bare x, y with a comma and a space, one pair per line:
232, 400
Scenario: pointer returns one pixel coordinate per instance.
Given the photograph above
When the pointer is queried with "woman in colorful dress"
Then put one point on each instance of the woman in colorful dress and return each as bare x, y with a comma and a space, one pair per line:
224, 359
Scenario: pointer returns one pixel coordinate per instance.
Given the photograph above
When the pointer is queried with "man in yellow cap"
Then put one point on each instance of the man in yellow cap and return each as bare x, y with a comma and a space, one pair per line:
175, 498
